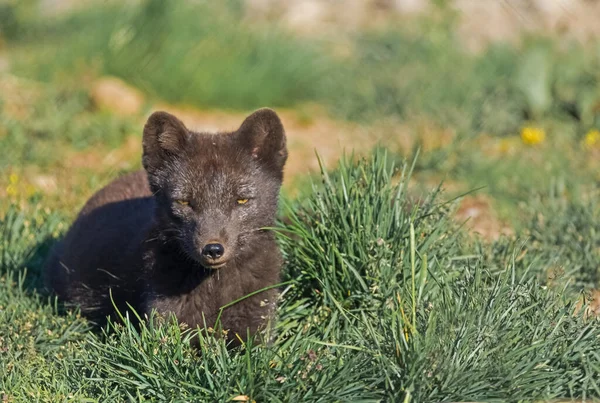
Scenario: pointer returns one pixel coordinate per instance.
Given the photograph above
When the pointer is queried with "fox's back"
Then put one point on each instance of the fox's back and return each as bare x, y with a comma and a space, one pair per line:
104, 247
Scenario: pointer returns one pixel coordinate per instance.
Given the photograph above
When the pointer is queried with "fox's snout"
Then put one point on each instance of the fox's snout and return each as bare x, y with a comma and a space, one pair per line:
212, 236
213, 243
213, 254
213, 251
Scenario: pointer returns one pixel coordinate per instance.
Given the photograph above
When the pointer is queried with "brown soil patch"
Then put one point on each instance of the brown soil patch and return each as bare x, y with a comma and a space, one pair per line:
481, 218
124, 157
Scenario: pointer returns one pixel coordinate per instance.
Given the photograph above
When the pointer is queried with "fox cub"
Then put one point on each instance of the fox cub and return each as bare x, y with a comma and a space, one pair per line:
186, 235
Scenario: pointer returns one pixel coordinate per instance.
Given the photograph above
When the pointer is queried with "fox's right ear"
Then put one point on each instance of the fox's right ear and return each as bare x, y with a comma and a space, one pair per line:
164, 137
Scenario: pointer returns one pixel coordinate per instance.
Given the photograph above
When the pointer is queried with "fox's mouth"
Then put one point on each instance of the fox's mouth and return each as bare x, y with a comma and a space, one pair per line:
208, 263
213, 266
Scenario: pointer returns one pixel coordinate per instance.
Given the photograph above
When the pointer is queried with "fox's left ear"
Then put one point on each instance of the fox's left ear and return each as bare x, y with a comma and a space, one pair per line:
263, 135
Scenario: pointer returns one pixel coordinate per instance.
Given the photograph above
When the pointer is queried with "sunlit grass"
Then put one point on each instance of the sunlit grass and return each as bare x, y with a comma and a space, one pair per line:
383, 302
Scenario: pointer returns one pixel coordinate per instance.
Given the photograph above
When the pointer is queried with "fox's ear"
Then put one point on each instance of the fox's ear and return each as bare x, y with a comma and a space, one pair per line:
164, 137
262, 134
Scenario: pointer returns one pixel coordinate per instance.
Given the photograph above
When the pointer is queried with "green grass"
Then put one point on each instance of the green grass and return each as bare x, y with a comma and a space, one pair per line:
566, 235
383, 302
54, 118
54, 133
404, 74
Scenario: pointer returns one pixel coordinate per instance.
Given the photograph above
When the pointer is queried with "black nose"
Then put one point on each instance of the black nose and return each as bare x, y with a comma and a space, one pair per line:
213, 250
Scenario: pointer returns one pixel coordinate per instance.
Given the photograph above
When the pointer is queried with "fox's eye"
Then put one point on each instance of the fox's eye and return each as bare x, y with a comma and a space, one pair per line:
242, 201
183, 202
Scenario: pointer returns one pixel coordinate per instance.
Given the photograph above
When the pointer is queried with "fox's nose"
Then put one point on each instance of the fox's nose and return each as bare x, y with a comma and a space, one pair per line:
213, 251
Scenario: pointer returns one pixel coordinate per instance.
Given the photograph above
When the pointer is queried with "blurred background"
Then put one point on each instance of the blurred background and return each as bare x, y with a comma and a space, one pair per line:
502, 96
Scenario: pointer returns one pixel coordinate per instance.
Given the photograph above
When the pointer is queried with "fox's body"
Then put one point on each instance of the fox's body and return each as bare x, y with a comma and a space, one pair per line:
186, 236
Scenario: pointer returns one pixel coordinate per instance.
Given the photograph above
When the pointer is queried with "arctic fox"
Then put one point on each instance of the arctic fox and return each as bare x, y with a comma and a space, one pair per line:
186, 235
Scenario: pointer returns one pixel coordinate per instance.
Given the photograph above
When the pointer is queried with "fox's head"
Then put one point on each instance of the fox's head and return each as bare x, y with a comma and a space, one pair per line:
215, 191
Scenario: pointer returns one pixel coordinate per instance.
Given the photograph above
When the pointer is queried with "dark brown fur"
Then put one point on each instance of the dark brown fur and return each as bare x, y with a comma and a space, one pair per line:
134, 240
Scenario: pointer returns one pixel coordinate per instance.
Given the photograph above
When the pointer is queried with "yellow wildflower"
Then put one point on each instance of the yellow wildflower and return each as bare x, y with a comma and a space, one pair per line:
29, 190
504, 146
592, 138
533, 135
507, 145
11, 191
17, 187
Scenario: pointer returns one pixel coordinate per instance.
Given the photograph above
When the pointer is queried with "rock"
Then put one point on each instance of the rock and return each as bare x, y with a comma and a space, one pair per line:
19, 96
45, 183
4, 63
304, 15
116, 96
410, 6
